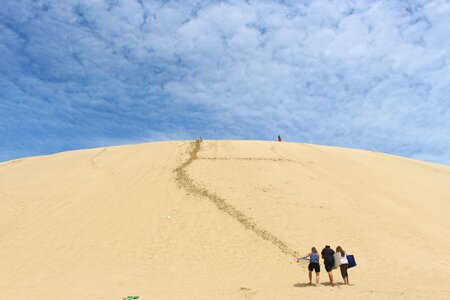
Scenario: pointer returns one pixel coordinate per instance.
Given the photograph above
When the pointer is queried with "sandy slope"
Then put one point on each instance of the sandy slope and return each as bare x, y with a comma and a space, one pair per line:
221, 220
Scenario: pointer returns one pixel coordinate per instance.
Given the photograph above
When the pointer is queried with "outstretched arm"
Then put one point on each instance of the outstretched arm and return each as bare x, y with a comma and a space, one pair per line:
303, 257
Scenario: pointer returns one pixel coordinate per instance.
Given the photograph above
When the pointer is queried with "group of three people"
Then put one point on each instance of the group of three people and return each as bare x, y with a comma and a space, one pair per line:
328, 260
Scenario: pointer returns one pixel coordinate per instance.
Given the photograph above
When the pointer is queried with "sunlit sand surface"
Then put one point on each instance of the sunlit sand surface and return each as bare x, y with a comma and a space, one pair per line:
221, 220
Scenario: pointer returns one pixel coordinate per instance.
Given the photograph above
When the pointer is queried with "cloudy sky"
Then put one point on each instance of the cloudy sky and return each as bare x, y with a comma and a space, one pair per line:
368, 74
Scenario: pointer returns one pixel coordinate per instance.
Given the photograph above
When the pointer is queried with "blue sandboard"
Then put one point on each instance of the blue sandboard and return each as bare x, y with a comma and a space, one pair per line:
351, 261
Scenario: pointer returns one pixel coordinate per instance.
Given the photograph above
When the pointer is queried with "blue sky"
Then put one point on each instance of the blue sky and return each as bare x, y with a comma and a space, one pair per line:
373, 75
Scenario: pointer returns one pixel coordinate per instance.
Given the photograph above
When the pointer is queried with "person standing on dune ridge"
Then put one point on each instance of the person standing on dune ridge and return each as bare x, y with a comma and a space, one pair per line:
279, 138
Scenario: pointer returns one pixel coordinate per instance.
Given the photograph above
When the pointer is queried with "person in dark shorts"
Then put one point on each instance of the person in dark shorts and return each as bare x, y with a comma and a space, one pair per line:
344, 264
313, 264
328, 260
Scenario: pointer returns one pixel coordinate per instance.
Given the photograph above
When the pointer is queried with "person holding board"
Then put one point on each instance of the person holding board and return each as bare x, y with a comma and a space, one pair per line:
344, 264
313, 264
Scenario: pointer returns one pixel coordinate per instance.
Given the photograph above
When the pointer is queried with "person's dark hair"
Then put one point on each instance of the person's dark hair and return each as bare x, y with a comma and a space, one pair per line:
339, 249
313, 250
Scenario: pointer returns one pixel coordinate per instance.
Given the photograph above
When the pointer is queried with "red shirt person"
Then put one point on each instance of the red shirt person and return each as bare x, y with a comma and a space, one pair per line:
279, 138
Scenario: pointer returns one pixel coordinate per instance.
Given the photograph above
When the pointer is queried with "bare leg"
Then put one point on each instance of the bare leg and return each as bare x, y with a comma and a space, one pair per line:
331, 278
310, 277
317, 278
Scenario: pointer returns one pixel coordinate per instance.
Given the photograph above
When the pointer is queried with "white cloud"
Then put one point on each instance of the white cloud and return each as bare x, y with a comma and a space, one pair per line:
366, 74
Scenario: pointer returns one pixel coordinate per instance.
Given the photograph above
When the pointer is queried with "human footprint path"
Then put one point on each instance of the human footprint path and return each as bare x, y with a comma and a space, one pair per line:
183, 179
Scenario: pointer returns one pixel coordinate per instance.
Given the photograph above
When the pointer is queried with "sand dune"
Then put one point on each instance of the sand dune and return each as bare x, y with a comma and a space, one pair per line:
221, 220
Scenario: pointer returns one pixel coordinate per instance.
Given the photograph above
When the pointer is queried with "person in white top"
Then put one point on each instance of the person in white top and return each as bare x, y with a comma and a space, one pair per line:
344, 264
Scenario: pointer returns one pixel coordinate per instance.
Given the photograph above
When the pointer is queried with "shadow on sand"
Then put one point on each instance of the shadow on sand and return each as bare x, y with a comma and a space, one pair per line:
322, 283
304, 285
336, 284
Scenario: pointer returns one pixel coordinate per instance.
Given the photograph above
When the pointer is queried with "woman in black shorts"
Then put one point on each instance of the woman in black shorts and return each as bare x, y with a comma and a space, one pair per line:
313, 264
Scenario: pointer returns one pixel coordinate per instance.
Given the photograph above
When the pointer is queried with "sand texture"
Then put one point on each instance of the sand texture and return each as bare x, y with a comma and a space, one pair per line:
221, 220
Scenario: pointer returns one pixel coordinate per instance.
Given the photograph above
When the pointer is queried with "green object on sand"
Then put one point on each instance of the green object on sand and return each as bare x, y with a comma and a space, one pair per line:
131, 298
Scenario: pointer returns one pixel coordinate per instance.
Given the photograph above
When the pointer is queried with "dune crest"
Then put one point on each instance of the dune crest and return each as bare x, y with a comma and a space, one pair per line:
221, 220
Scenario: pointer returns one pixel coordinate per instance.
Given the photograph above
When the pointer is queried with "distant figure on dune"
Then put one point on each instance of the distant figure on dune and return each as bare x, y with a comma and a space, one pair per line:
344, 264
328, 260
199, 139
313, 264
279, 138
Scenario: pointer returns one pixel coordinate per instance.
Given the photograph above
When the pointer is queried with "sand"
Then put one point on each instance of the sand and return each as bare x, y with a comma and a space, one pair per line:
221, 220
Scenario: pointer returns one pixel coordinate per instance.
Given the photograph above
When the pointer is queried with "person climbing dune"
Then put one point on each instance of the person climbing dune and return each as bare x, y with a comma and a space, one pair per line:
328, 260
344, 264
313, 264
